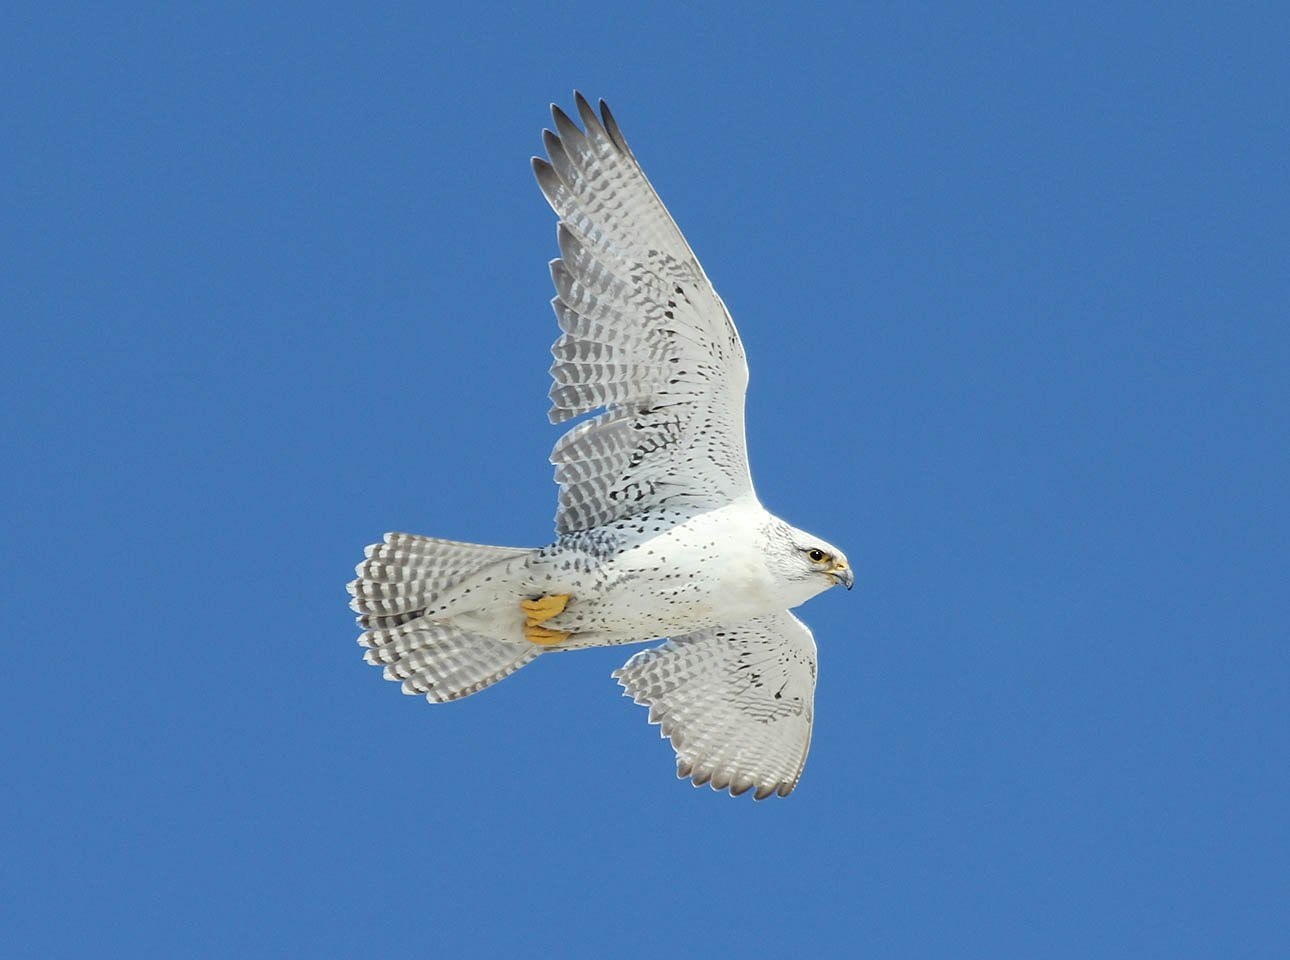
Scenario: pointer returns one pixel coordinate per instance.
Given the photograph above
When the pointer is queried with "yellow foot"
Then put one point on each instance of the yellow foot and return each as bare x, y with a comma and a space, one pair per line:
544, 608
538, 612
543, 636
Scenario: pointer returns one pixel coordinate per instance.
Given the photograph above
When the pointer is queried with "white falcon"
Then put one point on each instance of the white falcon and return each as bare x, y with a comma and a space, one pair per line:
659, 530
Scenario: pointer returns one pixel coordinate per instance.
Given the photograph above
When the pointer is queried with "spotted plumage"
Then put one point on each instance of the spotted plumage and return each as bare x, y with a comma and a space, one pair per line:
659, 532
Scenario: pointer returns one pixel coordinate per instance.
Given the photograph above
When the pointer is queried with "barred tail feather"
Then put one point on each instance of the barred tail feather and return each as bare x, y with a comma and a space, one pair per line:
403, 574
398, 579
442, 661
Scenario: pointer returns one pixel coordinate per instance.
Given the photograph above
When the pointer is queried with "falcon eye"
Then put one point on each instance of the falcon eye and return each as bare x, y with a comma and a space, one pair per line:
817, 556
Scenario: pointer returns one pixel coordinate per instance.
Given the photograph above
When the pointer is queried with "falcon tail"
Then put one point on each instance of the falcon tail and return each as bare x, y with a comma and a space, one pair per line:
402, 577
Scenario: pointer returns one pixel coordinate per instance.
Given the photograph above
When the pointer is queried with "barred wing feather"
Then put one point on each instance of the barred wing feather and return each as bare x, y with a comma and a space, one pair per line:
737, 702
645, 339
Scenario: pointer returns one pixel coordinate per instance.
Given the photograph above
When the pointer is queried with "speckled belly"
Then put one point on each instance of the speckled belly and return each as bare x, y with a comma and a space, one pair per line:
653, 591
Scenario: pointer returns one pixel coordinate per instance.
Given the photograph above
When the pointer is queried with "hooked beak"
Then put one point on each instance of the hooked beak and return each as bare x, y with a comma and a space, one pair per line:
841, 573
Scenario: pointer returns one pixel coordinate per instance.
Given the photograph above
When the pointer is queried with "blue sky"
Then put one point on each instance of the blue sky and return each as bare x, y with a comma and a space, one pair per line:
1013, 286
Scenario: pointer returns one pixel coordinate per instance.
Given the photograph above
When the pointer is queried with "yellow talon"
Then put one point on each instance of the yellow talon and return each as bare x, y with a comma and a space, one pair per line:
538, 612
544, 608
543, 636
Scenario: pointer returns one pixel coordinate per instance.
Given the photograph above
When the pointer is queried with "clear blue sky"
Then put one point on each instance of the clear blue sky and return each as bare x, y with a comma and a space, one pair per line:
1013, 286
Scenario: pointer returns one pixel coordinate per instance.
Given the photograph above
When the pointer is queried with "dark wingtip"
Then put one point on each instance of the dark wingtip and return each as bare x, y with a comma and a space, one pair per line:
543, 170
611, 127
559, 116
589, 119
568, 130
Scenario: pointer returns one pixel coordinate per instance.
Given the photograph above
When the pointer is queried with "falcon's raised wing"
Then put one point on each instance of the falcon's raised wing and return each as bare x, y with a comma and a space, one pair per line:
645, 336
736, 701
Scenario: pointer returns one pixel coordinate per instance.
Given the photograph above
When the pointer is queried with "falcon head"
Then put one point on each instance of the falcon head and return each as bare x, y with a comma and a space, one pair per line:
831, 562
808, 564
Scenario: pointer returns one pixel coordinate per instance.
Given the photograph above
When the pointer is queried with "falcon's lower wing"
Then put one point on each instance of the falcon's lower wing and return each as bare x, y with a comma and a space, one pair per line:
736, 702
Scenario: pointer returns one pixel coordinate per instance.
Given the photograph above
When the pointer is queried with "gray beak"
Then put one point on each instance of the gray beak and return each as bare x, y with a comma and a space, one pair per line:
843, 575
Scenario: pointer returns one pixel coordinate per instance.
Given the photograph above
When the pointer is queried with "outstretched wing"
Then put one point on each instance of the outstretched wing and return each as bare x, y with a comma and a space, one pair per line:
736, 701
645, 337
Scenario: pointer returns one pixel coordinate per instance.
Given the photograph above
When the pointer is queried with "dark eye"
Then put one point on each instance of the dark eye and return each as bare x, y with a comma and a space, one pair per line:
817, 556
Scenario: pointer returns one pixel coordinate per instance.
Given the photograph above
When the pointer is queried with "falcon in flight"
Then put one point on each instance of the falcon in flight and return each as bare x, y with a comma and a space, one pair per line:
659, 532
